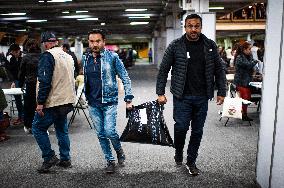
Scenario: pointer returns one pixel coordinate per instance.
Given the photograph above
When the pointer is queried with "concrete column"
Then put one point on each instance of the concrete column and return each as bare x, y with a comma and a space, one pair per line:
173, 28
159, 46
270, 155
78, 49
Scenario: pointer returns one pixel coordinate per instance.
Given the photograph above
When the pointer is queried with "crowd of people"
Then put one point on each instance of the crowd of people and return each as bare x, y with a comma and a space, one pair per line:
197, 68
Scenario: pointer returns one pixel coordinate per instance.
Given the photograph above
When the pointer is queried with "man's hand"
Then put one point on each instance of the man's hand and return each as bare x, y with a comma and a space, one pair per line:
220, 100
129, 105
162, 99
39, 109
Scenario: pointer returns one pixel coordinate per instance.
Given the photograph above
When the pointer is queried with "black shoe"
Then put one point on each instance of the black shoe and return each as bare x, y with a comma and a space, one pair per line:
64, 164
110, 167
48, 164
120, 157
192, 169
178, 159
246, 118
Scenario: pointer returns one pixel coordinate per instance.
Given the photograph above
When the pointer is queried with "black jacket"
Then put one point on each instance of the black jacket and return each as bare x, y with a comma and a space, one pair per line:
175, 57
244, 70
13, 66
28, 69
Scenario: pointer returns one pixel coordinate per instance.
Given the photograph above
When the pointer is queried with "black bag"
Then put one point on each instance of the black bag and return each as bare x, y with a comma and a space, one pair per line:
152, 130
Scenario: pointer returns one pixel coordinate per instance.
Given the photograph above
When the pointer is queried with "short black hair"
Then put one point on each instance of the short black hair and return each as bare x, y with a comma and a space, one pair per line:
32, 46
192, 16
97, 31
67, 46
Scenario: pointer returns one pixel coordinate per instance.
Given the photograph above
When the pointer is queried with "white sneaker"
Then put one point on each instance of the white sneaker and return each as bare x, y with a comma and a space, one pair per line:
27, 130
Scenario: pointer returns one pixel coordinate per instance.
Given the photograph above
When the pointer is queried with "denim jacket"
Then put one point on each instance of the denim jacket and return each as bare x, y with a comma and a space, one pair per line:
111, 66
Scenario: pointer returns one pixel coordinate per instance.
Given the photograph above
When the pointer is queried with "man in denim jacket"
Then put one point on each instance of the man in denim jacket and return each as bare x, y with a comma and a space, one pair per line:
101, 89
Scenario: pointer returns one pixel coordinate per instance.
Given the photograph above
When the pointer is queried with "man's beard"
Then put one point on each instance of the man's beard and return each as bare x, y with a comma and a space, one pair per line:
193, 38
96, 50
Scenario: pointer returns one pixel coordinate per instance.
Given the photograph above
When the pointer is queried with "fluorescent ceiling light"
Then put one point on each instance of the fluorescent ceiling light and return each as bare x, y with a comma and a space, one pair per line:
36, 21
81, 11
14, 18
143, 15
138, 23
103, 23
41, 1
216, 8
76, 16
15, 14
21, 30
59, 1
65, 12
134, 17
60, 38
135, 9
87, 19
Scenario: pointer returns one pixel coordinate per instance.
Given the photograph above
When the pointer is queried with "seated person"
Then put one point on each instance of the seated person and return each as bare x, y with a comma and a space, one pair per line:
4, 117
79, 82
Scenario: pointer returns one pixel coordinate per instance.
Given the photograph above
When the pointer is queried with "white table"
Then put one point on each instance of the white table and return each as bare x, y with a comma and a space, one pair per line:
10, 92
13, 91
256, 84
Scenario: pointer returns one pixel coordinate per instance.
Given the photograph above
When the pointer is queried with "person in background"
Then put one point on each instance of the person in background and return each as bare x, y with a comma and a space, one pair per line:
196, 68
4, 118
254, 50
150, 55
66, 48
223, 55
13, 66
79, 83
55, 98
28, 78
229, 54
244, 64
101, 67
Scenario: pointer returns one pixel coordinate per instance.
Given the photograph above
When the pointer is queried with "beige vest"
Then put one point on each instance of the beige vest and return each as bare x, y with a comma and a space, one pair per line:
62, 84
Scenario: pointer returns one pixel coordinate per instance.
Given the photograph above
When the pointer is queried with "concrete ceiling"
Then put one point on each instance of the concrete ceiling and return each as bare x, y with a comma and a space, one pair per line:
110, 12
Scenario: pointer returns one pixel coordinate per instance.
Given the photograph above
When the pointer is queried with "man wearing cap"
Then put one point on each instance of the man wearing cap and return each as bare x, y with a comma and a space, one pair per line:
56, 94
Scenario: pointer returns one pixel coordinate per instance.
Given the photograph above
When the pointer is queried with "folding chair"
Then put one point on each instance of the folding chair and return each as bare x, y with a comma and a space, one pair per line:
79, 106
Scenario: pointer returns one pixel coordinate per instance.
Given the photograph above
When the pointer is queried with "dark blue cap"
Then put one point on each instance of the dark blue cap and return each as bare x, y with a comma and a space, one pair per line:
48, 37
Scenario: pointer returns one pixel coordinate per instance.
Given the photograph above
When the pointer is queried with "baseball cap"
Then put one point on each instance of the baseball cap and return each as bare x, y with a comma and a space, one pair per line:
48, 37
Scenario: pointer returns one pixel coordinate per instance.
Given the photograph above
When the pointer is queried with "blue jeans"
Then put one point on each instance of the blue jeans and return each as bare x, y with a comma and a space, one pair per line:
39, 128
104, 121
190, 110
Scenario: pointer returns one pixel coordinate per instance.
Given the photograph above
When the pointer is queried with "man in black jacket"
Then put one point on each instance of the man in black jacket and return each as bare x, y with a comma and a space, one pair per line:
196, 67
13, 66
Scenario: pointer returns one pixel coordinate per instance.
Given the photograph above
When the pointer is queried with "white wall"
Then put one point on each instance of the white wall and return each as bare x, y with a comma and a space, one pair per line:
270, 156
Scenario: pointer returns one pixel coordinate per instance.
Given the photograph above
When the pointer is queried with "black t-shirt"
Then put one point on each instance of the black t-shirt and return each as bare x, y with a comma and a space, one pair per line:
195, 84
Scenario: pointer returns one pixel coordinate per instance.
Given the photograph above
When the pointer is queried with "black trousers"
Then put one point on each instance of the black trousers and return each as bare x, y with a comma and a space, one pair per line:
29, 104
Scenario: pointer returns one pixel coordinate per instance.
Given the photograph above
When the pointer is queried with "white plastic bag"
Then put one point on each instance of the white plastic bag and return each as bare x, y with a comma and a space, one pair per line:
232, 106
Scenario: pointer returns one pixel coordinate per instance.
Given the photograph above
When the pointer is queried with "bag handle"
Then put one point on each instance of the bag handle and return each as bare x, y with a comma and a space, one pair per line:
229, 90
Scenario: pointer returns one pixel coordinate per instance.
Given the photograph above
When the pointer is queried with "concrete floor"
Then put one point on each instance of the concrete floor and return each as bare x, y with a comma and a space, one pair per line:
227, 155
